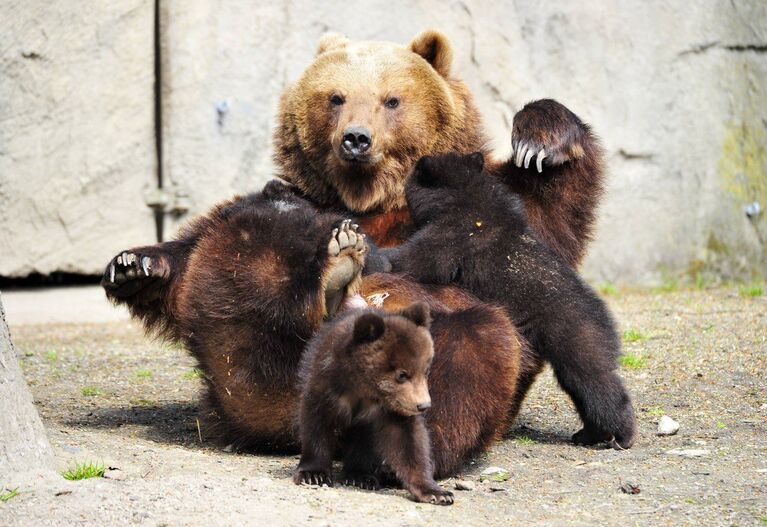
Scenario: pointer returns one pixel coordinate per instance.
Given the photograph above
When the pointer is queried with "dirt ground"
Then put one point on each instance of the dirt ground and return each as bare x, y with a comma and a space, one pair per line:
108, 394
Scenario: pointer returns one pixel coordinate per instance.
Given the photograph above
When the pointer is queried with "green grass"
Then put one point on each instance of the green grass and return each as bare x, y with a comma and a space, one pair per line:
633, 335
144, 374
524, 440
194, 373
84, 471
633, 361
655, 411
751, 290
701, 281
720, 425
51, 355
763, 520
90, 391
669, 285
6, 496
608, 289
142, 402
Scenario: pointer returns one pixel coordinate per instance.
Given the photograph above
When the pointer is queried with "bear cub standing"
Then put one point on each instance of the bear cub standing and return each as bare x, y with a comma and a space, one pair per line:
473, 232
364, 390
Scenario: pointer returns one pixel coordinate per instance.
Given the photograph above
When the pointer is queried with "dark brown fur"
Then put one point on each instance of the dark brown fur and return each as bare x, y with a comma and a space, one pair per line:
473, 233
246, 305
364, 390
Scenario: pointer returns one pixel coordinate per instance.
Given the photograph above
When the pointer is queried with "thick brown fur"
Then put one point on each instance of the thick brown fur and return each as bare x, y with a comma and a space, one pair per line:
473, 233
244, 286
364, 391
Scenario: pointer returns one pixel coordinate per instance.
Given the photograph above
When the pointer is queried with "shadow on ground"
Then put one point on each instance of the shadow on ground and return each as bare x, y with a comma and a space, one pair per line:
169, 423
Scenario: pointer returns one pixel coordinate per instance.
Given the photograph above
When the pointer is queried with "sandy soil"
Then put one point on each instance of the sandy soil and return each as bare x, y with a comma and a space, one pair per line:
106, 393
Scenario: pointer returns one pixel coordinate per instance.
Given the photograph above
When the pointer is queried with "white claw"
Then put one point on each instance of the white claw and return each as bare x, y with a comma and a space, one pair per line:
539, 161
112, 273
528, 155
520, 155
145, 265
120, 260
125, 258
352, 237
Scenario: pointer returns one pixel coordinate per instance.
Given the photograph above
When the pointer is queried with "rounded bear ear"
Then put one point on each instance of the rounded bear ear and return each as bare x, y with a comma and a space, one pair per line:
368, 328
330, 41
435, 48
418, 313
477, 160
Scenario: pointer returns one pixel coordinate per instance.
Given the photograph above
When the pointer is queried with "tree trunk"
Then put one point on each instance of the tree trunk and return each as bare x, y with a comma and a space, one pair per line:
23, 445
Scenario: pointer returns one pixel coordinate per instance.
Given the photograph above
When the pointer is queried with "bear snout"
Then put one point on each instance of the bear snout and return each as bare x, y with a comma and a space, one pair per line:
356, 143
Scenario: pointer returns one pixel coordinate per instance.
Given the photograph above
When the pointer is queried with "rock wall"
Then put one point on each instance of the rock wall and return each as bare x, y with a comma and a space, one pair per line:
76, 133
675, 90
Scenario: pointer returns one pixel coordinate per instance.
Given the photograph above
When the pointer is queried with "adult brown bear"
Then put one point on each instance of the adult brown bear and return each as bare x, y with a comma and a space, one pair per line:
246, 286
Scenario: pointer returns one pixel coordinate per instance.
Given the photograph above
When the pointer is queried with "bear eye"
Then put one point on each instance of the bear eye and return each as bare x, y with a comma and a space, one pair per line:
336, 100
402, 376
391, 103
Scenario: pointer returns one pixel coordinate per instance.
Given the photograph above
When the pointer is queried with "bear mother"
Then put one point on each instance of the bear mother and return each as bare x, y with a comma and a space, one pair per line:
247, 285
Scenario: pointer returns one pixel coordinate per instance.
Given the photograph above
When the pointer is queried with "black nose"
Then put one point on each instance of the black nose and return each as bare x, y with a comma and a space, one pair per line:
356, 140
423, 406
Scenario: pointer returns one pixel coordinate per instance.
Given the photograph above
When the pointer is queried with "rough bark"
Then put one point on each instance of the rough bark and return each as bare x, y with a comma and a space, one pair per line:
24, 446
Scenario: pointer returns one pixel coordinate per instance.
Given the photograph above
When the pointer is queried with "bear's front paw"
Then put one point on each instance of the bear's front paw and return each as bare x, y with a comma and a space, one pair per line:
362, 481
545, 133
129, 272
433, 494
312, 477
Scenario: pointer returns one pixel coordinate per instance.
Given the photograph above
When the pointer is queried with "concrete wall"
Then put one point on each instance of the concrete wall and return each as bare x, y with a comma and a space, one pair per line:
76, 133
676, 90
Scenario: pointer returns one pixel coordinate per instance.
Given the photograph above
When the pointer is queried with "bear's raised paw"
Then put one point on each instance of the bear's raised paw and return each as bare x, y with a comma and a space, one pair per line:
346, 258
545, 133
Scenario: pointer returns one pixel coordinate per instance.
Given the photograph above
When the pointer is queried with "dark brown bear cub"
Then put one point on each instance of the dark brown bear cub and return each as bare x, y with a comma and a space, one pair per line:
364, 390
473, 232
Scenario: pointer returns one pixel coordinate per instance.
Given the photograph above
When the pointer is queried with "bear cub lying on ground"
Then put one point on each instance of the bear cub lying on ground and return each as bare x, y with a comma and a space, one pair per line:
364, 390
473, 232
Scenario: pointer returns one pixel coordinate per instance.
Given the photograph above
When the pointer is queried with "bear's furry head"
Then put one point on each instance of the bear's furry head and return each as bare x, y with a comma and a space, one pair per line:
352, 127
389, 357
456, 186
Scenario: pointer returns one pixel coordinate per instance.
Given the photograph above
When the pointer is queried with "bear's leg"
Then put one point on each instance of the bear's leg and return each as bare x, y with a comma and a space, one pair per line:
361, 462
601, 399
141, 278
318, 442
404, 443
557, 167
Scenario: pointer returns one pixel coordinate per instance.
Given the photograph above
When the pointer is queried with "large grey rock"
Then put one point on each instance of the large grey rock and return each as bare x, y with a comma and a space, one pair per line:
76, 133
675, 91
24, 448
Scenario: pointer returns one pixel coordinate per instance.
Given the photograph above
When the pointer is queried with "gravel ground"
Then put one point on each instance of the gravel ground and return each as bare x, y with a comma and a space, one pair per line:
108, 394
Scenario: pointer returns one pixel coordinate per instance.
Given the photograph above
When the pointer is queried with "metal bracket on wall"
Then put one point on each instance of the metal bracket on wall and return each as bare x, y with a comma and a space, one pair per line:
174, 200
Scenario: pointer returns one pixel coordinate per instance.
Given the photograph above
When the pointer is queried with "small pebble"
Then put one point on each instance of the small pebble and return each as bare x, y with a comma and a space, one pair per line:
463, 484
667, 426
630, 488
692, 452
